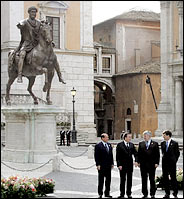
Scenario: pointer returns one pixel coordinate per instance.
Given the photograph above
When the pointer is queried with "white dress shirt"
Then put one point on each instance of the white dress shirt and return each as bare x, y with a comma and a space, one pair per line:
149, 141
126, 143
105, 143
168, 141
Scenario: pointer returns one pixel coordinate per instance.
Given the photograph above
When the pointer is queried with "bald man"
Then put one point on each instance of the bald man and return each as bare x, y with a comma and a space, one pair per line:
104, 162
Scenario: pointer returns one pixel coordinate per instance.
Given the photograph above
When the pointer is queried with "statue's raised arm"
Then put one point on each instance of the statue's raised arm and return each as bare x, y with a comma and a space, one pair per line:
21, 24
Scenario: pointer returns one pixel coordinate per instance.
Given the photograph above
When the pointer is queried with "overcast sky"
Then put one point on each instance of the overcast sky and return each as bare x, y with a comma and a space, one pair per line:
103, 10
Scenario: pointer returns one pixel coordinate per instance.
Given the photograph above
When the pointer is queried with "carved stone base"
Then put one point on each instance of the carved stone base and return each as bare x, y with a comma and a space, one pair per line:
30, 133
73, 144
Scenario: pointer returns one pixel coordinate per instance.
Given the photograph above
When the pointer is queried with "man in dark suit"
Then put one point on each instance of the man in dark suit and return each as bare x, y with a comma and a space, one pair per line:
148, 159
68, 133
124, 152
104, 162
171, 153
62, 137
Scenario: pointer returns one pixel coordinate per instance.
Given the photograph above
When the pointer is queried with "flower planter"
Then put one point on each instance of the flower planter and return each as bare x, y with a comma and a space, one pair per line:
16, 187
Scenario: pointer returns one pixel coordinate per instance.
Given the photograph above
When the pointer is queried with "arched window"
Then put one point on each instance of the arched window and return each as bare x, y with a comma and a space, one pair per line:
128, 111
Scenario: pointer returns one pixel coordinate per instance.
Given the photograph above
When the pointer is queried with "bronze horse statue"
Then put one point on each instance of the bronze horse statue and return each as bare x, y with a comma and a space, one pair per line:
41, 60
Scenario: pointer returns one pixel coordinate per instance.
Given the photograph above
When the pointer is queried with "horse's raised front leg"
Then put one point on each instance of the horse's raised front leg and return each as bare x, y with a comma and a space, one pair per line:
29, 88
45, 71
59, 72
49, 102
8, 86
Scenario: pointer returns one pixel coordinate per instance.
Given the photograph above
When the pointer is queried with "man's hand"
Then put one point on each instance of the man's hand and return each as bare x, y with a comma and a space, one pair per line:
156, 165
98, 167
136, 164
112, 166
120, 168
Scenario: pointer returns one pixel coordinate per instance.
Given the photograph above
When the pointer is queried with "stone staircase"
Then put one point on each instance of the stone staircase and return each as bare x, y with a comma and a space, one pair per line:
80, 139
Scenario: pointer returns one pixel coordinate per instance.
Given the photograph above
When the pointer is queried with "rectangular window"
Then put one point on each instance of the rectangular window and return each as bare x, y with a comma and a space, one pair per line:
95, 63
55, 22
137, 57
106, 65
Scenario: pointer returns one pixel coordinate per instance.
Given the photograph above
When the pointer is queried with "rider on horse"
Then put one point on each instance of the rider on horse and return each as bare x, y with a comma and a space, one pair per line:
29, 29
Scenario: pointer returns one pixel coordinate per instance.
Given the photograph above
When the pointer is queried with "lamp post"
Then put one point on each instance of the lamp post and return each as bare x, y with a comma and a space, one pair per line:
74, 132
148, 81
104, 88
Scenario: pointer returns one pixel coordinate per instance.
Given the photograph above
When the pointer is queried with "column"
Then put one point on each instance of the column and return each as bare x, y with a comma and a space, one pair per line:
180, 13
178, 105
99, 65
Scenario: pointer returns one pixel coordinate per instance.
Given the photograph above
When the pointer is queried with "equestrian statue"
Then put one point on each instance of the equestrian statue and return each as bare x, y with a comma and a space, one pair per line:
34, 56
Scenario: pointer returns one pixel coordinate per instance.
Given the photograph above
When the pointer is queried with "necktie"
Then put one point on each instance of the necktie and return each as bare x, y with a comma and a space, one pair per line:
147, 145
127, 146
106, 147
166, 146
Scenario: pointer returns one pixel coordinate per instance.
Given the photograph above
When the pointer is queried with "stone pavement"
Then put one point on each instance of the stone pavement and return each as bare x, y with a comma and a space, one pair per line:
79, 183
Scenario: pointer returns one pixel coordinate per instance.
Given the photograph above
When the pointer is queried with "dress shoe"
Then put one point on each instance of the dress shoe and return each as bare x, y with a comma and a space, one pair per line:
121, 197
100, 196
108, 196
152, 196
129, 196
145, 197
166, 196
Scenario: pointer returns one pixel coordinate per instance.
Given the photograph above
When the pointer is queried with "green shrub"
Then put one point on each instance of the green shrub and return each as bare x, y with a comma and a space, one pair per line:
179, 177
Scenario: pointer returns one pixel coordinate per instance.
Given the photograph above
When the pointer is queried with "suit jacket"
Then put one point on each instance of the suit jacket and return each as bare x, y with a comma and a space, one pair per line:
62, 133
148, 157
171, 156
124, 155
102, 157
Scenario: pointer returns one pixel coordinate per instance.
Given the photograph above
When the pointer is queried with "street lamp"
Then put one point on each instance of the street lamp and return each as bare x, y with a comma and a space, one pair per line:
103, 88
74, 132
148, 81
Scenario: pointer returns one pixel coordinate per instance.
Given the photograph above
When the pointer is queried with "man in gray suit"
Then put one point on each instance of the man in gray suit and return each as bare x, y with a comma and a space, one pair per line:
148, 159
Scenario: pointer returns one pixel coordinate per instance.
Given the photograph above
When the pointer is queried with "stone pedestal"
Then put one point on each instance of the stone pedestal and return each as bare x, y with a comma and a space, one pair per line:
30, 133
164, 118
73, 144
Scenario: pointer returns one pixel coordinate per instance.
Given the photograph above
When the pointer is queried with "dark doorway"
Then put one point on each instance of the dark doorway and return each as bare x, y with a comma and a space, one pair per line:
109, 128
100, 129
129, 126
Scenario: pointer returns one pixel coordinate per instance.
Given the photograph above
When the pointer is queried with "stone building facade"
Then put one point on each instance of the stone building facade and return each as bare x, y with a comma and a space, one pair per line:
135, 110
170, 111
133, 38
104, 69
72, 22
